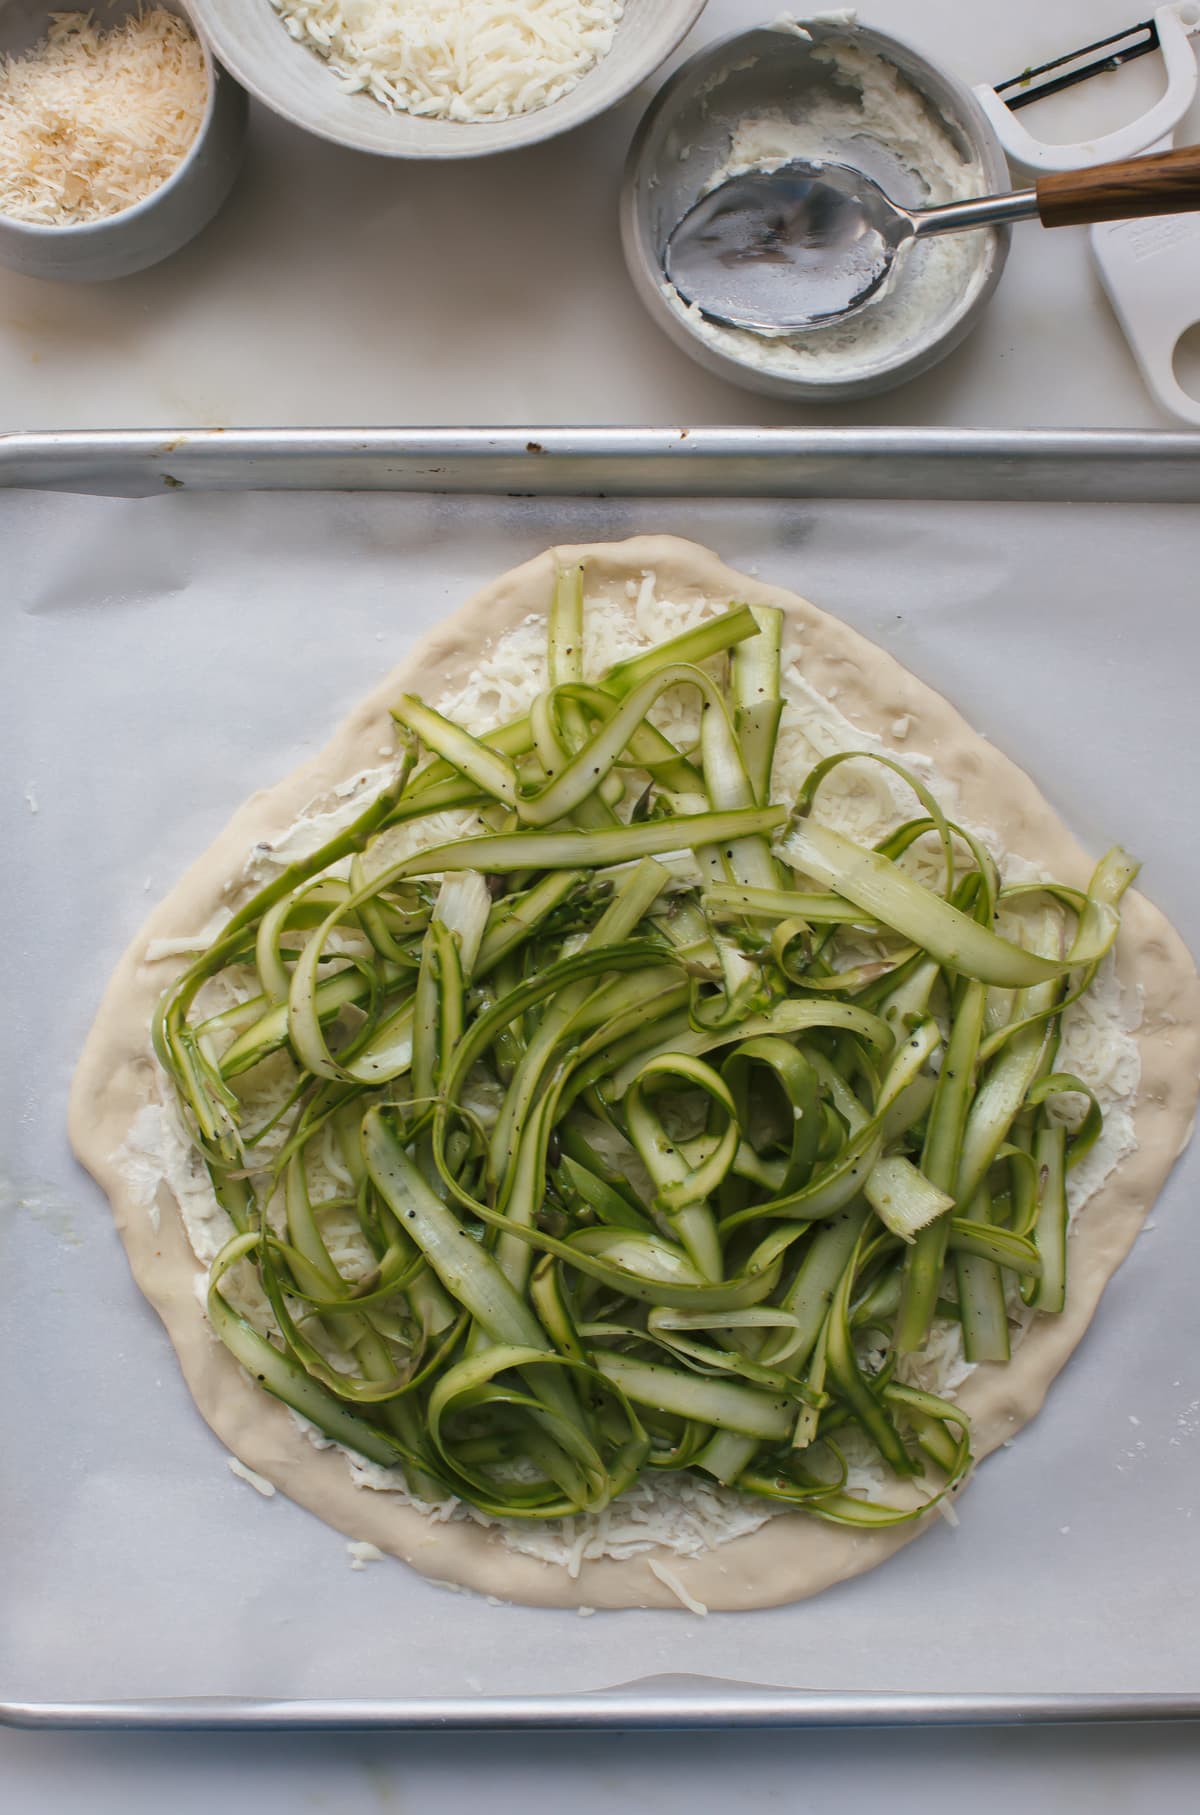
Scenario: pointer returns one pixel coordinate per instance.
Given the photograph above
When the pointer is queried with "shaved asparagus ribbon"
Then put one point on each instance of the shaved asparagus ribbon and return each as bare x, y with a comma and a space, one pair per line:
666, 1120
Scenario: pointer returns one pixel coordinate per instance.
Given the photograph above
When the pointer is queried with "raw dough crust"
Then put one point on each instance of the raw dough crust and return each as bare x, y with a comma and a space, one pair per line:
788, 1558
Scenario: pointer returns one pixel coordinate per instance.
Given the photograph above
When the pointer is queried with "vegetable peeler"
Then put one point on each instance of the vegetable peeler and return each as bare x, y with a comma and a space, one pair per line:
1150, 269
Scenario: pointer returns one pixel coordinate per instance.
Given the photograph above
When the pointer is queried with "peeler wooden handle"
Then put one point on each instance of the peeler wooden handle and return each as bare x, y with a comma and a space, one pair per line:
1168, 183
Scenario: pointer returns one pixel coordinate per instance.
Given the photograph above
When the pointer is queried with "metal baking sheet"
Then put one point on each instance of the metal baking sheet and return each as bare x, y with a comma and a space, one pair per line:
162, 658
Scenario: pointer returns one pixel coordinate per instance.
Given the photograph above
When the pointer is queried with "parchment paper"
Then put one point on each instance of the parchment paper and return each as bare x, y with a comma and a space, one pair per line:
161, 660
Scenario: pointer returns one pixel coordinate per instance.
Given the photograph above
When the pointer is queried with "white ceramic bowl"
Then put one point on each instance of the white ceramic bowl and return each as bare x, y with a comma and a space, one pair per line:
164, 221
683, 142
251, 40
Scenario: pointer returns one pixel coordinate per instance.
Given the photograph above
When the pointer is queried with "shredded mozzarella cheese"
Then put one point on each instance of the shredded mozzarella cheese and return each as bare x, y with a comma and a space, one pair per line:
670, 1580
456, 59
93, 121
251, 1476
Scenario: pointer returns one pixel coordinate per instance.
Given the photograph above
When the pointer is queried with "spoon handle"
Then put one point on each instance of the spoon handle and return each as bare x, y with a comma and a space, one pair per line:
1168, 183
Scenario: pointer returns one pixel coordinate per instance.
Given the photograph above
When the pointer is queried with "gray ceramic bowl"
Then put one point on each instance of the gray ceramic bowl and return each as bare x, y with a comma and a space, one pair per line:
251, 40
163, 222
683, 141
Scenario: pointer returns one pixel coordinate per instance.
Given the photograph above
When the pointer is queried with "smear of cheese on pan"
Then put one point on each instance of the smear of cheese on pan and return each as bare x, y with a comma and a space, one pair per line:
466, 60
679, 1513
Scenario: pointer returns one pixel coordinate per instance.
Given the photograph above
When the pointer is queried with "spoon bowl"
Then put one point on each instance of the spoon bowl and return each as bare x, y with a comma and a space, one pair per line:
808, 242
788, 248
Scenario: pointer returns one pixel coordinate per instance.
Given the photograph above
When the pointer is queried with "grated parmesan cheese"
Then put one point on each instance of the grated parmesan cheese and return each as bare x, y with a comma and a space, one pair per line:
93, 121
467, 60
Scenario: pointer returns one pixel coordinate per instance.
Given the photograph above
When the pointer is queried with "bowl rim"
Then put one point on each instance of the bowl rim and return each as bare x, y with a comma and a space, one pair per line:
247, 74
648, 275
77, 230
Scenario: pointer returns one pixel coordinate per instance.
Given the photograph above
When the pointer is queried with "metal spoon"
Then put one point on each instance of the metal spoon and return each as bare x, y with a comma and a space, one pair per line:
810, 242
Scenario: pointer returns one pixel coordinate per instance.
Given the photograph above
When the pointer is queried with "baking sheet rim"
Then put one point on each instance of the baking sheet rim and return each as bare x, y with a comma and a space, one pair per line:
1157, 466
630, 1708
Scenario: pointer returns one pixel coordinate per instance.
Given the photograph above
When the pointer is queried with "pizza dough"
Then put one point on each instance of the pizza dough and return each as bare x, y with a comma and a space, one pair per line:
790, 1557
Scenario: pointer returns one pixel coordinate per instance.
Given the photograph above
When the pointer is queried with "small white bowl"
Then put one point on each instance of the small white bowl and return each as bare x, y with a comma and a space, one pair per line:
783, 73
250, 38
162, 222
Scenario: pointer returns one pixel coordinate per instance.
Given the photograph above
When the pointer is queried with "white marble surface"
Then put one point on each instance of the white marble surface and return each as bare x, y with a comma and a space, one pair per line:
1046, 1771
339, 290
